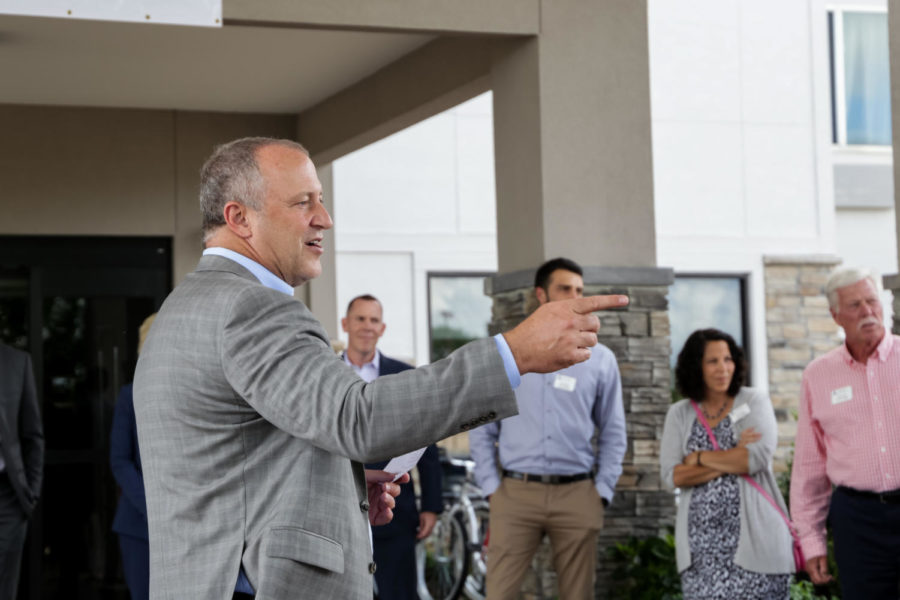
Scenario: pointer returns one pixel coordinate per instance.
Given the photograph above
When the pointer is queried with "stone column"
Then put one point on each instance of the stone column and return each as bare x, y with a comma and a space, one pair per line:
639, 337
799, 328
892, 282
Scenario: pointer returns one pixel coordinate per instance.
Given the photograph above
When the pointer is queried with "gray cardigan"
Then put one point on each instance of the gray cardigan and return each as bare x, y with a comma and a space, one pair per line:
764, 545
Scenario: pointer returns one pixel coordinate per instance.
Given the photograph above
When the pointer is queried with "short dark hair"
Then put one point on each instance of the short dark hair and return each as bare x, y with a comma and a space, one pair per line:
542, 276
232, 174
369, 297
689, 368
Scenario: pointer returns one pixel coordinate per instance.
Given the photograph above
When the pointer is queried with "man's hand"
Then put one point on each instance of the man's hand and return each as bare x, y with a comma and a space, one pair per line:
558, 334
381, 495
427, 519
817, 567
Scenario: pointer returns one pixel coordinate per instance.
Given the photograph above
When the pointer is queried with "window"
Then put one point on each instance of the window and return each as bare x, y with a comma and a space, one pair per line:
860, 78
458, 311
702, 301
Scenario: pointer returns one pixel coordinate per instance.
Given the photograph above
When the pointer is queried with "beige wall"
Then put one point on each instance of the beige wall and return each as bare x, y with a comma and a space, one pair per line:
88, 171
515, 17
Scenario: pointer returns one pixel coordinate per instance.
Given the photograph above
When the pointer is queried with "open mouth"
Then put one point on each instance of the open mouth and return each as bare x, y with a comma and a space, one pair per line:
315, 244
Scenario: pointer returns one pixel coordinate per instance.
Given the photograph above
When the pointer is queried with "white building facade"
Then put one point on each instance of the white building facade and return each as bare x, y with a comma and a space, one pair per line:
770, 139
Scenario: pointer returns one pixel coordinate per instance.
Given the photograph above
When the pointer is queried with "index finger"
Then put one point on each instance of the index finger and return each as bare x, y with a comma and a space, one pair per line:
376, 476
589, 304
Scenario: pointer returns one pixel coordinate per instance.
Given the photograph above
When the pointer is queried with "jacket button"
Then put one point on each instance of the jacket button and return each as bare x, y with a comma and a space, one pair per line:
372, 568
364, 506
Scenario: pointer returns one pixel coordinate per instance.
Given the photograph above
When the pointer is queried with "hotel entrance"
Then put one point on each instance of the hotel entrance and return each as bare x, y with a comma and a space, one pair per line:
75, 304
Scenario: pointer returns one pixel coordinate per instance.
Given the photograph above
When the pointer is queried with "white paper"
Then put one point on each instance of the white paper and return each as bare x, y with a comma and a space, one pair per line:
403, 463
740, 412
843, 394
564, 382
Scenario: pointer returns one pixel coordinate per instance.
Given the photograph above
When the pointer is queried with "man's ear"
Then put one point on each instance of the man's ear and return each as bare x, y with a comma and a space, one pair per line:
541, 294
344, 324
237, 219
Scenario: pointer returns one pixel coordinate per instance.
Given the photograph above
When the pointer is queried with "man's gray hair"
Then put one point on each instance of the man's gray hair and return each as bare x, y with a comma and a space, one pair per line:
844, 276
232, 174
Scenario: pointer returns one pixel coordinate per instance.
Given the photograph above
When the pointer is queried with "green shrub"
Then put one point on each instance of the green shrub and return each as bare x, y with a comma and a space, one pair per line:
645, 569
805, 590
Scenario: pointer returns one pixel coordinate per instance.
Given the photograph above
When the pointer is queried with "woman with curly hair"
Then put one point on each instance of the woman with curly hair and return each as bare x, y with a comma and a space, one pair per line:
730, 541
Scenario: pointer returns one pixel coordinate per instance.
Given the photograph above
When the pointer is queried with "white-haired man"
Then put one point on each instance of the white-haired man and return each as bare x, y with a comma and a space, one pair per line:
848, 436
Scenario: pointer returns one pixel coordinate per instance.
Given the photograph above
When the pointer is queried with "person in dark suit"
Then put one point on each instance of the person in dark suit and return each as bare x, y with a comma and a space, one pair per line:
130, 522
395, 542
21, 461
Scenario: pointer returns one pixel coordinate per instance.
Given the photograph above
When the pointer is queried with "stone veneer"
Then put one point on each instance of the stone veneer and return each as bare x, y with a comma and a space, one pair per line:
892, 282
639, 337
799, 328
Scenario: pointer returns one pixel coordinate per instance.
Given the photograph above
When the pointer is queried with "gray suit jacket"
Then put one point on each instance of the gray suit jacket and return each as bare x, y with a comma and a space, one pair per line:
246, 421
21, 430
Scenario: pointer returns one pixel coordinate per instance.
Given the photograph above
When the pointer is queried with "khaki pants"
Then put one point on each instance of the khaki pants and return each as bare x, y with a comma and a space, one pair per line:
570, 514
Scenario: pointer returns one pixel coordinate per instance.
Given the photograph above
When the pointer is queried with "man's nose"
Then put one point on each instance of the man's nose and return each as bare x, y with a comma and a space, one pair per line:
322, 219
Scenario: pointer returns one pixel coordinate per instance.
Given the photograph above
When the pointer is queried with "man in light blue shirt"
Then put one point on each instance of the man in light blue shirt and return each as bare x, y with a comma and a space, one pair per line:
555, 480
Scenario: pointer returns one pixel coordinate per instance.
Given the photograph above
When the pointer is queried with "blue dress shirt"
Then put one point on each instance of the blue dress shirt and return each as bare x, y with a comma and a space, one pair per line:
551, 435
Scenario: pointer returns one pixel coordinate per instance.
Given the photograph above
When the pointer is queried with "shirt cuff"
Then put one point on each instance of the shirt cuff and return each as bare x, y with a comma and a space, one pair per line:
509, 363
604, 491
490, 486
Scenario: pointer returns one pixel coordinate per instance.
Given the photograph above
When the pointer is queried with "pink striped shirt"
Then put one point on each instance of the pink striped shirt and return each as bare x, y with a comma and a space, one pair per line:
848, 433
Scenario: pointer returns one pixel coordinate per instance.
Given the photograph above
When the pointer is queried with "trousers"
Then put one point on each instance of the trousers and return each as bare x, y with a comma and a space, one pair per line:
866, 546
521, 513
13, 527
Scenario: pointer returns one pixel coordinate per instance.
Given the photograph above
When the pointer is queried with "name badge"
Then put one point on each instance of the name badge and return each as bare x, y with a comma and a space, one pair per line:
564, 382
740, 412
843, 394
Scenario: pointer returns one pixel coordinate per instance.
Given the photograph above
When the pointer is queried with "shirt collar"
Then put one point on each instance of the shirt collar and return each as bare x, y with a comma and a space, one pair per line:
882, 351
265, 276
375, 362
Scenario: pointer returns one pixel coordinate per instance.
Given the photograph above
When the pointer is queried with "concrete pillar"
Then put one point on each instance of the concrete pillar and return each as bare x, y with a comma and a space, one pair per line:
574, 178
892, 282
320, 294
572, 138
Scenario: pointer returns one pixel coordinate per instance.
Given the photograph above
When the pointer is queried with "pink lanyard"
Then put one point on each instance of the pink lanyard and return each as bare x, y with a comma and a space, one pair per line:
749, 479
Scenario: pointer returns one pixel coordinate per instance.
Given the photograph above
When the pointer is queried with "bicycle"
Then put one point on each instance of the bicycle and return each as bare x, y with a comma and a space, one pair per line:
451, 561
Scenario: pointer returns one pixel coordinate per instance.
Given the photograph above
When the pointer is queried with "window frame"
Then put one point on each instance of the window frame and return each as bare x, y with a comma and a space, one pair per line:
445, 275
835, 24
743, 278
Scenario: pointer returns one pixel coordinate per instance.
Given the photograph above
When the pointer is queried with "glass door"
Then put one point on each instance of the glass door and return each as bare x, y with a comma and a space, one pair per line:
85, 298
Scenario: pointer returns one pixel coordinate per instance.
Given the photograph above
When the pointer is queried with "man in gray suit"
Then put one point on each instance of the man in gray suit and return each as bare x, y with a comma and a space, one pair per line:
21, 461
253, 432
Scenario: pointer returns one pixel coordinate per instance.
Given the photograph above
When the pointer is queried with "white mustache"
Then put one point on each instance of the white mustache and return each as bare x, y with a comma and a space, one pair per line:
868, 321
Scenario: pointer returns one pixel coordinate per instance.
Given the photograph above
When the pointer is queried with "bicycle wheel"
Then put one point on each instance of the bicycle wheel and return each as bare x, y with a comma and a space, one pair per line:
475, 588
442, 560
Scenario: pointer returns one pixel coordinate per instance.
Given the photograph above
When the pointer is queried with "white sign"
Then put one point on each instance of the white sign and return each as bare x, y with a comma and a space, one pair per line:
203, 13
